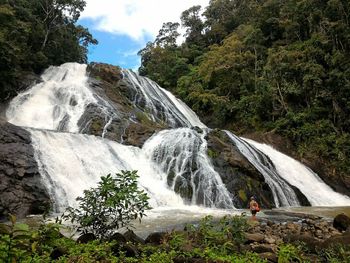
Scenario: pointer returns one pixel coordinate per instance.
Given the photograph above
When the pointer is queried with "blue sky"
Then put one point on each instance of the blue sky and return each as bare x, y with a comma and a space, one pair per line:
116, 49
123, 27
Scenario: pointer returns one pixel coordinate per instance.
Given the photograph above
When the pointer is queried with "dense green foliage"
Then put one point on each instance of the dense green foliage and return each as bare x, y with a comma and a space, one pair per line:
37, 34
113, 204
208, 241
265, 65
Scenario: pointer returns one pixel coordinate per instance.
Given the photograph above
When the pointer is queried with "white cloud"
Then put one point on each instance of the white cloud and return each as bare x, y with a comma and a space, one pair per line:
136, 18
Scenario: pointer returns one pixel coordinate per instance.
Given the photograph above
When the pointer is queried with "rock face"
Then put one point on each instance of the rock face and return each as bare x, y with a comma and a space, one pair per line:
240, 177
21, 189
10, 91
131, 125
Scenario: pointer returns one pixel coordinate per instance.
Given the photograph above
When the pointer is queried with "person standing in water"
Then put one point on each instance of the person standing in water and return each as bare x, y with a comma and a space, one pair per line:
254, 207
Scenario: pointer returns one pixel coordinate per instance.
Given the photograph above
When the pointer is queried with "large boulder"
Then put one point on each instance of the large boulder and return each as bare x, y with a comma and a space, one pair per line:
156, 238
341, 222
21, 189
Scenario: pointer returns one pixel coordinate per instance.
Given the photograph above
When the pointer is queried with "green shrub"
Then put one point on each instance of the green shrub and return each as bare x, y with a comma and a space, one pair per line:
289, 253
113, 204
15, 241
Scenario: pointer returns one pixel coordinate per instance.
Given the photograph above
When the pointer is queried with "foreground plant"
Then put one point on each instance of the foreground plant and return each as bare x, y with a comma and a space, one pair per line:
113, 204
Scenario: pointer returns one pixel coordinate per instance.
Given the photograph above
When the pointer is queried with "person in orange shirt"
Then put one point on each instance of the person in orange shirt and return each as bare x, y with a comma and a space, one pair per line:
254, 207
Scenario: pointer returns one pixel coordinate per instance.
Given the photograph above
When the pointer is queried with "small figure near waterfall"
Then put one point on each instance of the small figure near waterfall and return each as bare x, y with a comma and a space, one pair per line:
254, 207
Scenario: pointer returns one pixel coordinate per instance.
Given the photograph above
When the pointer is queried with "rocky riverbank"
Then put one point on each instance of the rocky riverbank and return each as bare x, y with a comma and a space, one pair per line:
311, 236
314, 233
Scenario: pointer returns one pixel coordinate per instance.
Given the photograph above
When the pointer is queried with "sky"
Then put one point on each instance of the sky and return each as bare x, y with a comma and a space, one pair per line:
123, 27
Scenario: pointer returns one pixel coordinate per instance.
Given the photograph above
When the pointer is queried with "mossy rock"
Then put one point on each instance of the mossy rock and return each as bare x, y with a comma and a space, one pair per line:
96, 126
106, 72
242, 195
144, 118
212, 153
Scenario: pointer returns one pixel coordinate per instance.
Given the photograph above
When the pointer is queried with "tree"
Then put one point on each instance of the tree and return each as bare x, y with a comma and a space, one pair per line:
167, 35
54, 13
113, 204
191, 19
37, 34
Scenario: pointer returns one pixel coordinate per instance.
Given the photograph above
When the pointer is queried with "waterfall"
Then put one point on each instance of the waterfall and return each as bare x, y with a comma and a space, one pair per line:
57, 103
161, 103
71, 163
295, 173
280, 171
188, 166
173, 164
283, 194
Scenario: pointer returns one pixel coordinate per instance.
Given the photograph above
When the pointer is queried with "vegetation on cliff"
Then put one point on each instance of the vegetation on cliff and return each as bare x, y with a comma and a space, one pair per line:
279, 66
38, 34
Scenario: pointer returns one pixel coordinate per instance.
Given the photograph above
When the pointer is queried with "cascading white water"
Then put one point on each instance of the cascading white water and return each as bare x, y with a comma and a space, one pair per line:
283, 194
71, 163
161, 103
298, 175
171, 159
55, 104
188, 166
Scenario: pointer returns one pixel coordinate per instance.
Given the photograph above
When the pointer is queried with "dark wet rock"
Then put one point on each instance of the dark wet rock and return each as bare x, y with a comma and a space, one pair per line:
27, 79
197, 129
128, 250
341, 222
58, 252
86, 238
118, 237
133, 238
21, 190
240, 177
301, 197
155, 238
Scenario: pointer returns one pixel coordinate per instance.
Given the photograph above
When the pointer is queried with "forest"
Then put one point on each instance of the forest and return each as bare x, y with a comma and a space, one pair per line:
280, 66
37, 34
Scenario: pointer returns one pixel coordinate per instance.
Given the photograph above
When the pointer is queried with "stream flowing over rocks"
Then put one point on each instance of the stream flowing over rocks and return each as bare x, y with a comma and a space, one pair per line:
82, 122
